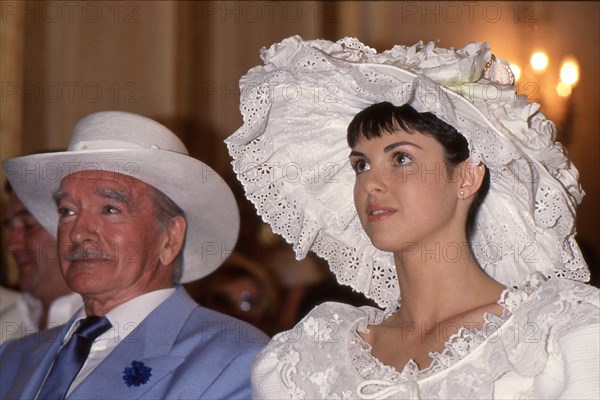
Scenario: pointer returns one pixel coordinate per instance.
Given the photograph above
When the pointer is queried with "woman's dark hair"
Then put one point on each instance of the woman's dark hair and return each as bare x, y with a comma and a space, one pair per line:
384, 117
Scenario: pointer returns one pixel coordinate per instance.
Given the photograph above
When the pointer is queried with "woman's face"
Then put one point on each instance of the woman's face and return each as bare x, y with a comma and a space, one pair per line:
404, 193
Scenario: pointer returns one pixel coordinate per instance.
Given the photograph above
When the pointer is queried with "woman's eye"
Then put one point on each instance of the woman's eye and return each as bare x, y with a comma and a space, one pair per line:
401, 158
360, 166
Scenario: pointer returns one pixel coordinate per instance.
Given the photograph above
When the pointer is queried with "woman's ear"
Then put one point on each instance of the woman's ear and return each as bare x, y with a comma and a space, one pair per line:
175, 237
470, 179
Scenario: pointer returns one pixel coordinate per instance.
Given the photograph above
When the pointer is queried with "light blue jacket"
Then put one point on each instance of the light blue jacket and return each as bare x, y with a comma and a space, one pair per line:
193, 353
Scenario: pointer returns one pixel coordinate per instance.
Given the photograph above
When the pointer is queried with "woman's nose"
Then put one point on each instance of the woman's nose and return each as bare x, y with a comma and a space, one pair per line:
375, 181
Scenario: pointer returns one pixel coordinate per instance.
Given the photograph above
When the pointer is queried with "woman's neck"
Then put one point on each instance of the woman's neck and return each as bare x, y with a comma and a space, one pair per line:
439, 281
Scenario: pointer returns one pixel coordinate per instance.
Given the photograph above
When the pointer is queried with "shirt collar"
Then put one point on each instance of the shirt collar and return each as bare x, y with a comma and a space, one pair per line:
127, 316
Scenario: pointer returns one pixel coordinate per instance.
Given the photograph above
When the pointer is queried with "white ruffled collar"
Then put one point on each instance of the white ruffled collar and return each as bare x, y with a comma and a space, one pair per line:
459, 345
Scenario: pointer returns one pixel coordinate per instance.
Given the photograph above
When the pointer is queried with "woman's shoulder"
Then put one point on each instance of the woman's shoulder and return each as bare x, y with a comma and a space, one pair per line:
557, 305
568, 294
324, 330
335, 310
554, 328
327, 323
570, 284
316, 346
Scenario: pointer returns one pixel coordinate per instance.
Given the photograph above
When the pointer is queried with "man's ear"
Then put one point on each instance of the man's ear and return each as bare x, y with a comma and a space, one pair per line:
175, 237
470, 179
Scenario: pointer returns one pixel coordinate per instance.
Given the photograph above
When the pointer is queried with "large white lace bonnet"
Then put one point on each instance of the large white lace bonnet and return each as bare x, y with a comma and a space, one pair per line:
291, 156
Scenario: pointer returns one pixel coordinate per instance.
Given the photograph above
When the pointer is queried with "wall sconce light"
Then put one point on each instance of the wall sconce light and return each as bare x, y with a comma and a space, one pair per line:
569, 75
539, 61
542, 82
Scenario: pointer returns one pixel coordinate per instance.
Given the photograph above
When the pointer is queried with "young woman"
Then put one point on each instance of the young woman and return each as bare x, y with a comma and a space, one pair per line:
460, 225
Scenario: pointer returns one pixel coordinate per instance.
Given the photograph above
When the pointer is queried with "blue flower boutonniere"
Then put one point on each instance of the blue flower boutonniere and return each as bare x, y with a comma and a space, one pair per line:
137, 374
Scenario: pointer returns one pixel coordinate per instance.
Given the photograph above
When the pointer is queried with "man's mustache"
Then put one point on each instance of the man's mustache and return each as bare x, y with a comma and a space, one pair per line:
88, 254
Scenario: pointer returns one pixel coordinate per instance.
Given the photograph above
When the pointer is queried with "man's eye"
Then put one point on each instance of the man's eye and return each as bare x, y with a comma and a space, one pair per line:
29, 224
111, 210
360, 166
64, 212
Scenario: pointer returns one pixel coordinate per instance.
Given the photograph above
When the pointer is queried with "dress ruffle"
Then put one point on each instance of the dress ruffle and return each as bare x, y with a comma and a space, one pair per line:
324, 357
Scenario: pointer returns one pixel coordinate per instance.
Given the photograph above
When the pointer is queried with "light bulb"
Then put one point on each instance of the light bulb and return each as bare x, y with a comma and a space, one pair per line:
563, 89
539, 61
569, 72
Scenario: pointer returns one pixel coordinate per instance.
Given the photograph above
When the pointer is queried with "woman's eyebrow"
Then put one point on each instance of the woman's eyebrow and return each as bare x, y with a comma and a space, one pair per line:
387, 148
356, 153
392, 146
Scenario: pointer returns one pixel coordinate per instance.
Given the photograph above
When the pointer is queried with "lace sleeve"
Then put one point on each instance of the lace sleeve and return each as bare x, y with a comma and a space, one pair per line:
311, 360
570, 314
266, 381
581, 354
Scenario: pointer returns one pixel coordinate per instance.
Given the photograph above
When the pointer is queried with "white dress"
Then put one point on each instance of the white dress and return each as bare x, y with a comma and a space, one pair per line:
546, 345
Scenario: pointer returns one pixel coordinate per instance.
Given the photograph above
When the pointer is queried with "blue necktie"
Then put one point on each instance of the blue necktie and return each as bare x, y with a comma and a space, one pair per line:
71, 357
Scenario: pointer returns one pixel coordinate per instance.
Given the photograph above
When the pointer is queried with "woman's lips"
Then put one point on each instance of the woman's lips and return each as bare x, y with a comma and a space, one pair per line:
377, 213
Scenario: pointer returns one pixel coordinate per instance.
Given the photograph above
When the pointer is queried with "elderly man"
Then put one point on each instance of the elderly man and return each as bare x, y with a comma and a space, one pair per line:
136, 217
45, 299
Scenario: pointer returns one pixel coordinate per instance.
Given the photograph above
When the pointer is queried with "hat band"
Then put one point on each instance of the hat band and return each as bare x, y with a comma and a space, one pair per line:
108, 145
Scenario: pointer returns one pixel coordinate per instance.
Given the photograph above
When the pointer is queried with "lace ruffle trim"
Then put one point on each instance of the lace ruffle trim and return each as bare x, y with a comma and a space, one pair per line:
457, 346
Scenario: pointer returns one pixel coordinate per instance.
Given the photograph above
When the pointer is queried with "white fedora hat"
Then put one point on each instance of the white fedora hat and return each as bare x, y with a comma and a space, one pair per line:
139, 147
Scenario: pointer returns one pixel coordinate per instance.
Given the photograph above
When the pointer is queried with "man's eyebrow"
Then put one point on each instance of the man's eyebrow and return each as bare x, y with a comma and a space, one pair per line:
116, 196
58, 196
107, 193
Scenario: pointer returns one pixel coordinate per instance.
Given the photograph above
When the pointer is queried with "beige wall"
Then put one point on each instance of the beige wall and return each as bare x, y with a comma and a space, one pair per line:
179, 62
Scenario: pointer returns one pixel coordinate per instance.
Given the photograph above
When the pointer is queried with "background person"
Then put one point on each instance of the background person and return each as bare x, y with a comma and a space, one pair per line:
45, 299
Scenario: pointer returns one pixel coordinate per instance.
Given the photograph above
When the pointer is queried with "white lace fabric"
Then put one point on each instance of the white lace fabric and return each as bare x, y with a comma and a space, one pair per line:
456, 346
291, 156
530, 352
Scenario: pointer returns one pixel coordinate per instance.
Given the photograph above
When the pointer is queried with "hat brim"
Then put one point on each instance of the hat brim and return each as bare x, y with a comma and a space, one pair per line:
210, 208
291, 157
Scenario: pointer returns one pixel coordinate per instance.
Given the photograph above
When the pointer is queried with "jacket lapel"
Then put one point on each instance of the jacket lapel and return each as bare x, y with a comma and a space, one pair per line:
39, 359
151, 343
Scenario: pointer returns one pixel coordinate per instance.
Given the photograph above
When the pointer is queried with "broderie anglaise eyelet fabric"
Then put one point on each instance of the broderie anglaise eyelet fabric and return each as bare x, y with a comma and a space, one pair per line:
292, 159
324, 356
456, 347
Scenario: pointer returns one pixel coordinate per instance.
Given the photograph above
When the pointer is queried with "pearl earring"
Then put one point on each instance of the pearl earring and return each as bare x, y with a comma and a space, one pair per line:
461, 194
